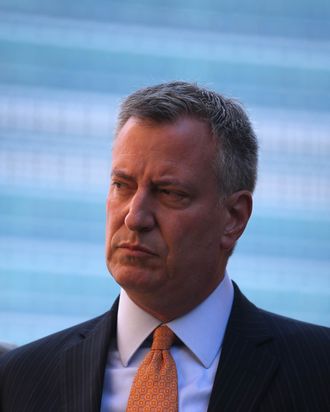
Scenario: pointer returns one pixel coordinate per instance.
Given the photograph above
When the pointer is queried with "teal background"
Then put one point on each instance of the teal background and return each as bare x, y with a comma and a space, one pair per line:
65, 66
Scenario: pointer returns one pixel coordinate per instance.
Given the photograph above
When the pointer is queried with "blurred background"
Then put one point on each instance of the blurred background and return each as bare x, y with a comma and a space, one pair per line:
64, 68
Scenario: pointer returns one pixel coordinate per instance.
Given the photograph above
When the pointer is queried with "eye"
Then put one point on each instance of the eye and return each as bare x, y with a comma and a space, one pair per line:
116, 184
165, 191
172, 194
119, 186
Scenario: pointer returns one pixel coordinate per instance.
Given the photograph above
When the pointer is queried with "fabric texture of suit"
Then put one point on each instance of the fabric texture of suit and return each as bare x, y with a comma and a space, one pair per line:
268, 363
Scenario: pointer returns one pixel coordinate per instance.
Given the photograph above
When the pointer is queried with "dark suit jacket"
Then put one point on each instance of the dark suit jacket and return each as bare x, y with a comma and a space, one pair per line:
5, 347
268, 363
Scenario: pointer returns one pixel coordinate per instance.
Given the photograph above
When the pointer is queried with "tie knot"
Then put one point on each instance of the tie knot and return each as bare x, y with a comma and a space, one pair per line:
163, 338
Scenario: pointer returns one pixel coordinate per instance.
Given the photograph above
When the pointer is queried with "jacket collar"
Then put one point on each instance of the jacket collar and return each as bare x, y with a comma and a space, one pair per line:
247, 364
82, 364
245, 369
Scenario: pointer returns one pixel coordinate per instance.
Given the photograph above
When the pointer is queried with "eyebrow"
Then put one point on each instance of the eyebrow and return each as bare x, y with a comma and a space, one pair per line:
185, 186
161, 182
123, 175
167, 182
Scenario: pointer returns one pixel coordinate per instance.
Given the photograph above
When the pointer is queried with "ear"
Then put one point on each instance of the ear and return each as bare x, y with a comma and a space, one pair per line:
238, 209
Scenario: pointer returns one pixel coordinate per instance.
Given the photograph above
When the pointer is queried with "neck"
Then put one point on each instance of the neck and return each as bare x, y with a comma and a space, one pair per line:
166, 307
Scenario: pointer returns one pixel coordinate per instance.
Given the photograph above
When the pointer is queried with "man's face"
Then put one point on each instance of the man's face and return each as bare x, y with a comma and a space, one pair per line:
164, 219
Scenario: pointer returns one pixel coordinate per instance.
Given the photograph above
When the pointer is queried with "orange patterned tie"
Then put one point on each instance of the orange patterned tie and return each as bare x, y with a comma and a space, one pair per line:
155, 386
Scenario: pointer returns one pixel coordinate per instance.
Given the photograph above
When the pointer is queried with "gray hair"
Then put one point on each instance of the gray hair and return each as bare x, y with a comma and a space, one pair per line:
236, 159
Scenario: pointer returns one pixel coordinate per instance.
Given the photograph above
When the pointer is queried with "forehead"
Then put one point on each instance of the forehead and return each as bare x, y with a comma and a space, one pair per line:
185, 135
180, 151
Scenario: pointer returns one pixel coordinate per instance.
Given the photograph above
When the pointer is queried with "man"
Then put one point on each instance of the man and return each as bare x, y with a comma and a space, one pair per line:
183, 174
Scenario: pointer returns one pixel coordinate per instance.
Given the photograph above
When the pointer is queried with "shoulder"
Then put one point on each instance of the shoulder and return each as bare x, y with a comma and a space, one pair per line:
302, 348
291, 340
32, 376
5, 347
289, 327
303, 353
298, 337
49, 348
281, 327
296, 351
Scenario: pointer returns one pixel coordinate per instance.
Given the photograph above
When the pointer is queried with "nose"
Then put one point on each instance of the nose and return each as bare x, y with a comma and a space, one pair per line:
140, 216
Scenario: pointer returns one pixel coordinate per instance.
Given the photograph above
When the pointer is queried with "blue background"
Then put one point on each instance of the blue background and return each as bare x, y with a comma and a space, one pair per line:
65, 66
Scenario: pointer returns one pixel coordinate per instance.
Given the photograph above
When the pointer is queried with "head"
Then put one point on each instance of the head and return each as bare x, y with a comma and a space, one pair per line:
236, 156
184, 168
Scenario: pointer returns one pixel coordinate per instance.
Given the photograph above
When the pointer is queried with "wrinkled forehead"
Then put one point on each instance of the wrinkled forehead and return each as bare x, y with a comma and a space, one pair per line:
198, 130
182, 145
163, 122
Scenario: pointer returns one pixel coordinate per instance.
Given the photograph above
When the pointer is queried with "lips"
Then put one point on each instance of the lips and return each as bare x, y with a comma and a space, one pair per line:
136, 250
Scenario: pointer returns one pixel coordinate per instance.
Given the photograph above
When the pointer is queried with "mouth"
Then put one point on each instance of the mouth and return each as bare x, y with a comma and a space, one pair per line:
136, 250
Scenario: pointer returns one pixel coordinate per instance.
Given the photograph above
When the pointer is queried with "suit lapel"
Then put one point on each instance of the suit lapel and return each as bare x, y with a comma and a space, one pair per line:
83, 364
245, 369
246, 365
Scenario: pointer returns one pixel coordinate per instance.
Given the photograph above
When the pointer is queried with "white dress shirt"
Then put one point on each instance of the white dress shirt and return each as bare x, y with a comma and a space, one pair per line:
201, 330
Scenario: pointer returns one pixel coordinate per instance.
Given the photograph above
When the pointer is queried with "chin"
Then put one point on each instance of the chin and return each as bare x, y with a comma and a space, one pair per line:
137, 279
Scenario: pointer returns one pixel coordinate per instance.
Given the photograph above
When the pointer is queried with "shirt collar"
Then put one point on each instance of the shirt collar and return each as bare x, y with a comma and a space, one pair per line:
134, 325
201, 330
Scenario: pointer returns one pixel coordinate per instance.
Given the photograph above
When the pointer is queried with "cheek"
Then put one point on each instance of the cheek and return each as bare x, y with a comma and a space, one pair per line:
181, 242
193, 240
114, 221
115, 214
